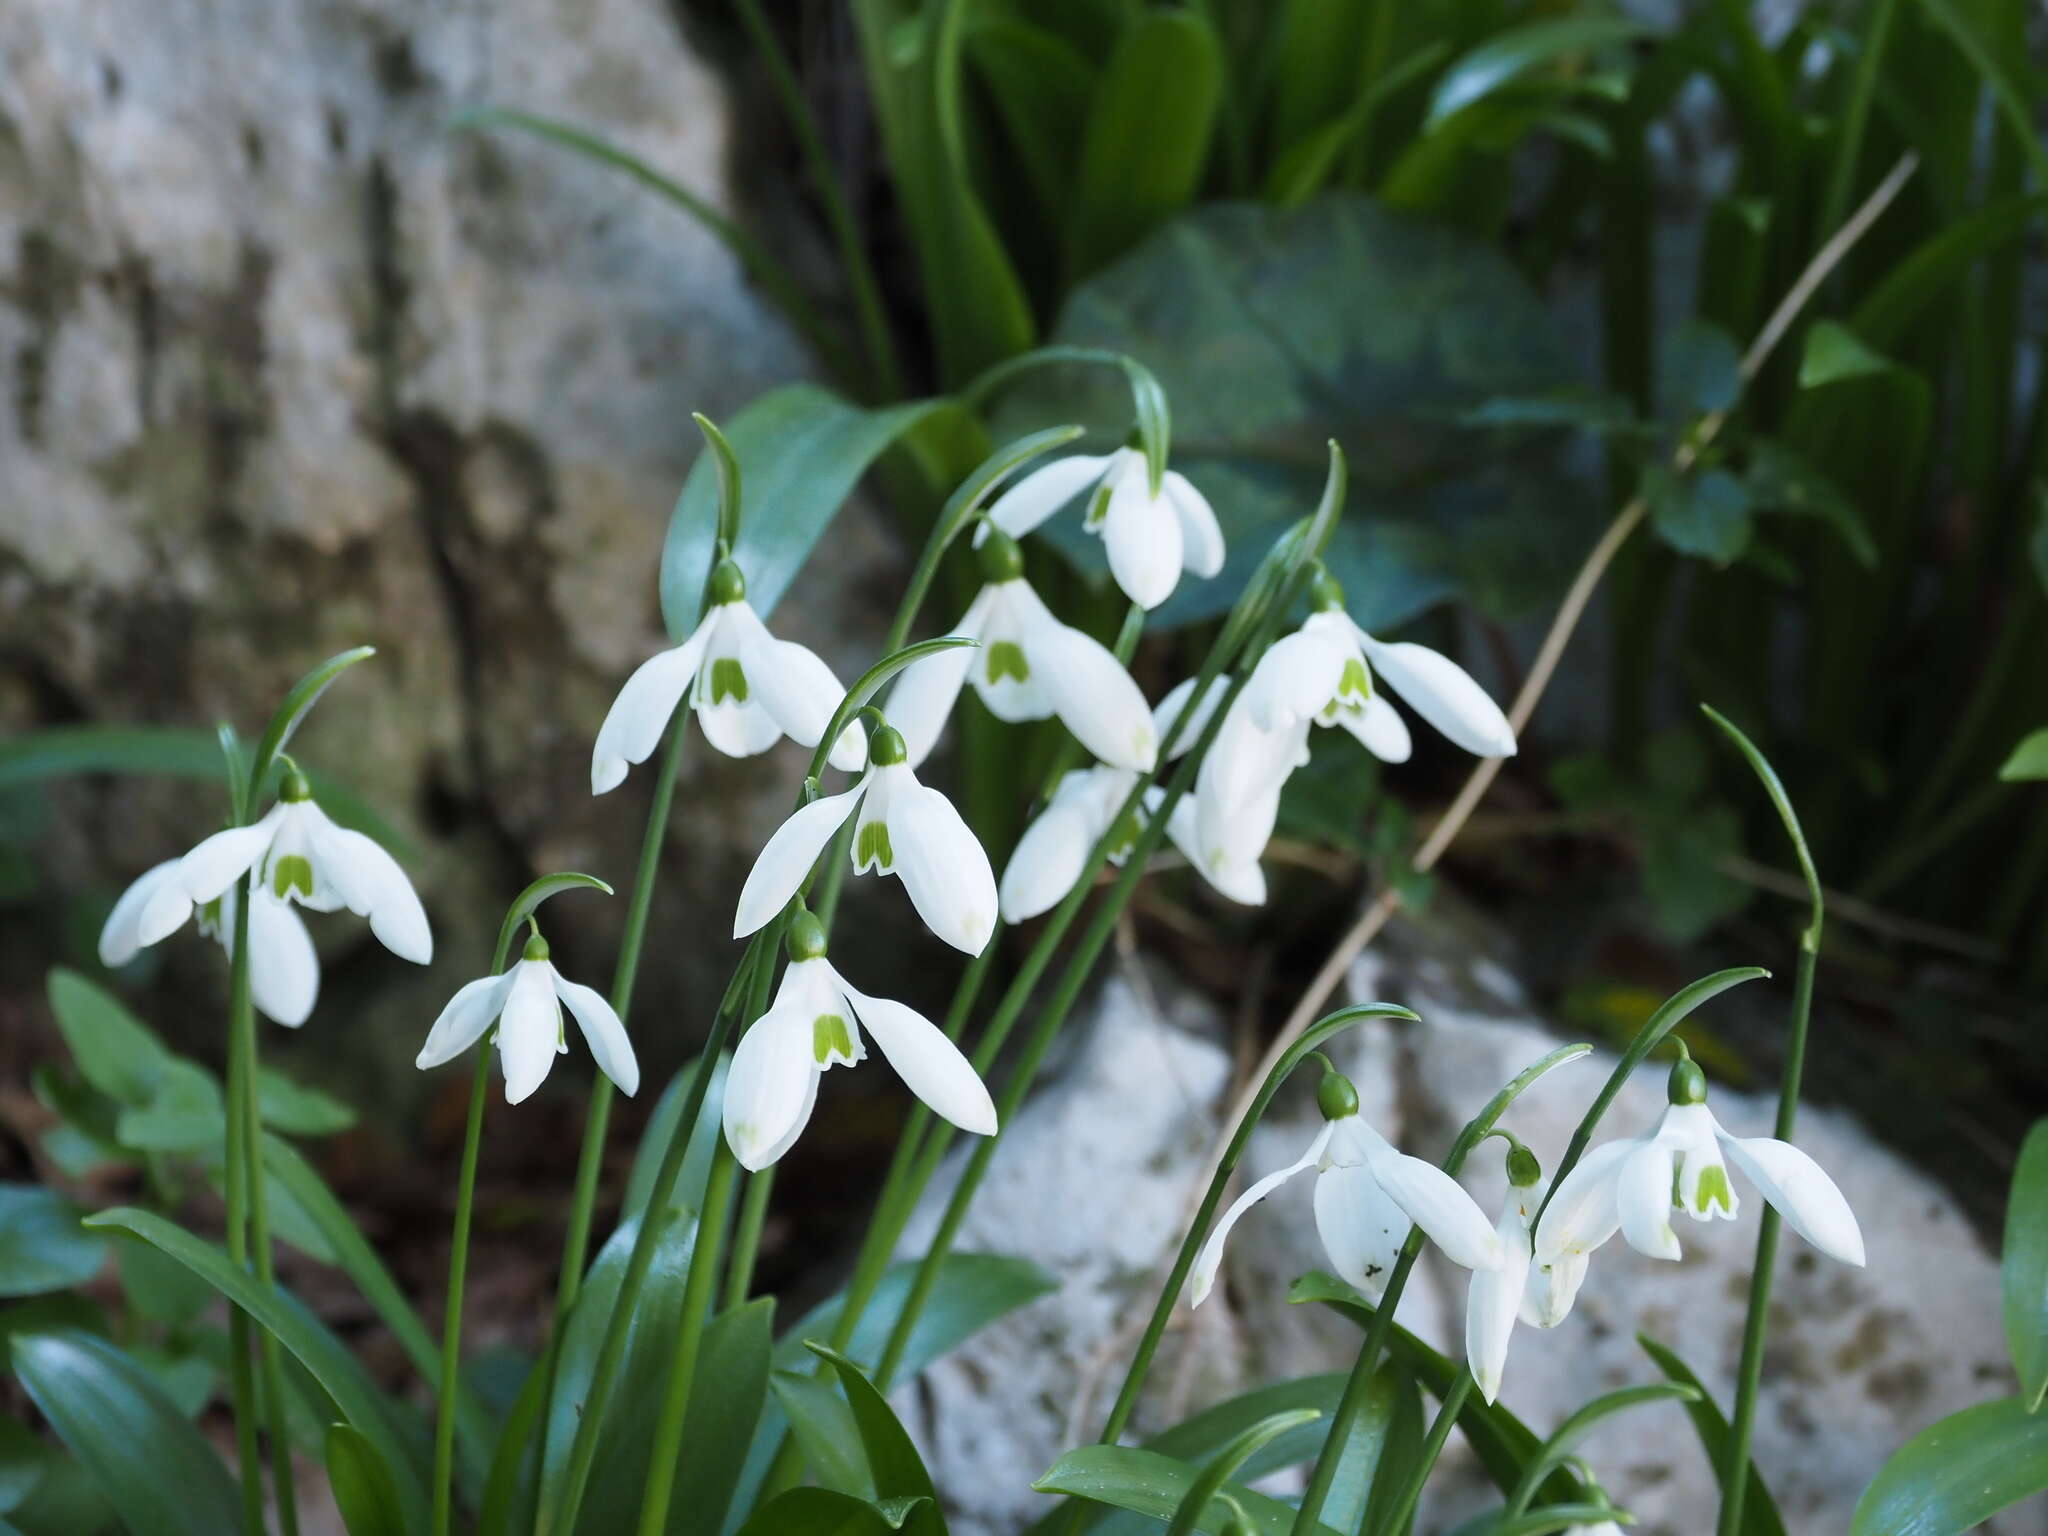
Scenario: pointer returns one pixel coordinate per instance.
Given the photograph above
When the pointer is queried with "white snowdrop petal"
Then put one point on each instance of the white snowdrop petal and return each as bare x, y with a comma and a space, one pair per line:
640, 715
1040, 493
1092, 694
1494, 1301
1007, 676
1361, 1225
1201, 536
738, 729
1168, 710
1803, 1194
1582, 1213
922, 698
1379, 728
1049, 860
372, 885
942, 867
931, 1066
465, 1018
284, 969
529, 1028
1142, 535
786, 858
121, 934
1642, 1198
772, 1085
1552, 1289
1444, 694
222, 859
1292, 682
1202, 1277
602, 1032
1439, 1205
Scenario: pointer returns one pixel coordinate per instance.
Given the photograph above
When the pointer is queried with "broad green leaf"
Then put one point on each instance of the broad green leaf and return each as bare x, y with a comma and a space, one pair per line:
898, 1471
1517, 51
1834, 353
972, 1290
1706, 515
159, 1288
1376, 1462
654, 1140
801, 450
825, 1512
1147, 138
1274, 332
821, 1423
65, 1501
1759, 1510
24, 1460
1039, 85
1699, 369
2029, 759
157, 1470
184, 1114
298, 1111
1148, 1483
1216, 1472
324, 1356
726, 1397
364, 1490
1536, 1522
42, 1246
115, 1051
187, 1379
507, 1506
2025, 1266
1957, 1473
1565, 1440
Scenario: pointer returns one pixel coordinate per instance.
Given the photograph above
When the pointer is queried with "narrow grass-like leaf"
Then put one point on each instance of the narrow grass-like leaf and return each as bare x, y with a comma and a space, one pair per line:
1511, 54
1760, 1515
1219, 1468
2029, 760
363, 1488
1148, 1483
2025, 1268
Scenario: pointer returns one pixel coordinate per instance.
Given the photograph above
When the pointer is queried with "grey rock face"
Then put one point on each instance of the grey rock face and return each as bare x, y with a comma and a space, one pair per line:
1096, 1183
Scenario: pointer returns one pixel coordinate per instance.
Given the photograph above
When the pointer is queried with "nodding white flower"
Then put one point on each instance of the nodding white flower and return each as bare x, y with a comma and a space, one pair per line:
905, 829
1367, 1195
749, 690
284, 971
1632, 1186
297, 855
1496, 1296
1150, 539
1029, 666
526, 1002
814, 1025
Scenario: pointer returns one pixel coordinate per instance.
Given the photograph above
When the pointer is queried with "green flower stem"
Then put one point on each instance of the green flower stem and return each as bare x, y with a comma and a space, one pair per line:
746, 1241
597, 1120
241, 1069
698, 1286
1403, 1507
458, 1269
1742, 1423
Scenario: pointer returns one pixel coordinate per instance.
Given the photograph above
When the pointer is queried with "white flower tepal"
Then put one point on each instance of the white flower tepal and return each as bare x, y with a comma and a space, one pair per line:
748, 688
1495, 1299
526, 1002
284, 970
816, 1024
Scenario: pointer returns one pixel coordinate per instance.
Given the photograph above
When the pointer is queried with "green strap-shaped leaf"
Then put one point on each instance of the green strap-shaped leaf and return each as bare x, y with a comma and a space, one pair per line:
156, 1469
2029, 759
1565, 1440
801, 451
2025, 1268
364, 1490
822, 1425
1509, 55
1148, 1483
1246, 1443
42, 1246
1536, 1522
726, 1397
1958, 1473
507, 1506
827, 1512
329, 1361
115, 1051
898, 1471
1760, 1515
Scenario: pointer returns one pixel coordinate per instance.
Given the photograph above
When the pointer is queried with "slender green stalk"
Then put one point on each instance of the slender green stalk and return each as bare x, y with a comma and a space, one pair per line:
451, 1323
240, 1165
746, 1239
698, 1286
1403, 1507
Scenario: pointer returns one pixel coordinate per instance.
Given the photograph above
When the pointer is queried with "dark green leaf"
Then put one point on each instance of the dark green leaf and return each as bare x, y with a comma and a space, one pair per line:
1699, 369
115, 1051
157, 1470
42, 1246
1707, 515
1148, 1483
508, 1504
972, 1290
802, 450
297, 1111
1536, 1522
1958, 1473
824, 1512
1376, 1463
1759, 1510
160, 1288
2029, 759
726, 1397
661, 1127
898, 1471
1515, 52
1834, 353
822, 1424
2025, 1266
24, 1461
185, 1114
1216, 1472
1780, 479
364, 1490
66, 1501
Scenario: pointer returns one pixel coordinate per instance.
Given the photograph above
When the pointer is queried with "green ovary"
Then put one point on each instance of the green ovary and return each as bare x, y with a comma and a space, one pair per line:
830, 1039
728, 680
1006, 659
293, 871
871, 847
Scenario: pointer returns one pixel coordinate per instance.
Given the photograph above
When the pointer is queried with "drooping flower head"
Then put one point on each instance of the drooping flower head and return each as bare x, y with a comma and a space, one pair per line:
1150, 537
1367, 1196
526, 1002
906, 829
1495, 1298
816, 1024
1029, 666
1681, 1164
749, 690
284, 969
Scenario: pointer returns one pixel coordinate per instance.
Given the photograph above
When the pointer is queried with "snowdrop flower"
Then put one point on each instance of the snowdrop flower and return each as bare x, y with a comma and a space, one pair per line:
814, 1025
284, 972
1029, 666
1495, 1297
1150, 539
905, 829
526, 1003
297, 855
1633, 1186
749, 690
1367, 1195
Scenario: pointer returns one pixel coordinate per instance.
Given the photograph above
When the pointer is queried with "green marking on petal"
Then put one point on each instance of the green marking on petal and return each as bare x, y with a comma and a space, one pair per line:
728, 680
1098, 505
831, 1040
1713, 1190
1006, 659
871, 848
1354, 686
293, 871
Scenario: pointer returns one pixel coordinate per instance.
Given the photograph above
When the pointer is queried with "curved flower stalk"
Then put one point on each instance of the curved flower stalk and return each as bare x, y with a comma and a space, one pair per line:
1150, 537
1495, 1298
284, 970
815, 1024
905, 829
1029, 666
749, 690
1367, 1195
299, 856
1681, 1163
526, 1002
